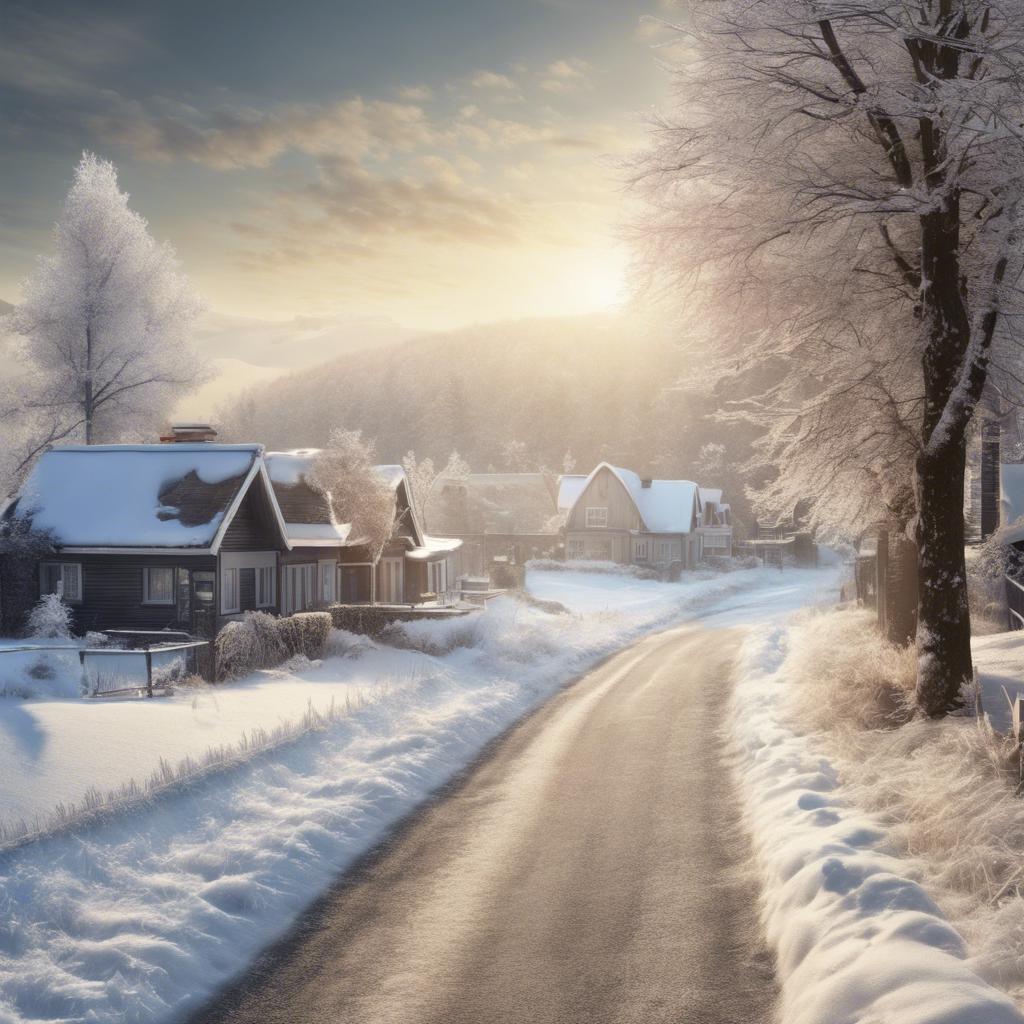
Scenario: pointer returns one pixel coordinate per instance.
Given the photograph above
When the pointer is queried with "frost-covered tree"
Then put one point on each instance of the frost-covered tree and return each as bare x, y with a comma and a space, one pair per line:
104, 323
421, 475
50, 619
837, 199
344, 471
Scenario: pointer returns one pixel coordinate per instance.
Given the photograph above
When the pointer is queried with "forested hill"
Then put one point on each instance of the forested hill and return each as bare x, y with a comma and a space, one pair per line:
508, 396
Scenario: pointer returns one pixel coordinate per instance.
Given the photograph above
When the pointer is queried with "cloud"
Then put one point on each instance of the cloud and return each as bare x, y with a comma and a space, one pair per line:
568, 75
237, 137
490, 80
416, 93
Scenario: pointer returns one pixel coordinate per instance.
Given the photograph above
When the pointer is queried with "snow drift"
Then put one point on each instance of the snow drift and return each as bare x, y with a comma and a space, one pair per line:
857, 939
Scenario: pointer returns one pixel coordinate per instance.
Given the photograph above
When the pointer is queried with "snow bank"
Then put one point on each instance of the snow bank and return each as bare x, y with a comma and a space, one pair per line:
856, 938
139, 916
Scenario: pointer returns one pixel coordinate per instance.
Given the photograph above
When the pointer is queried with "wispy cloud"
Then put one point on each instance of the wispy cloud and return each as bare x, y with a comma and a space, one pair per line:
567, 75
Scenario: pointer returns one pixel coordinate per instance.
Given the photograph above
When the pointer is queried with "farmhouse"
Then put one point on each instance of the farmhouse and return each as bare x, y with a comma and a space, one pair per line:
612, 514
167, 536
496, 515
189, 533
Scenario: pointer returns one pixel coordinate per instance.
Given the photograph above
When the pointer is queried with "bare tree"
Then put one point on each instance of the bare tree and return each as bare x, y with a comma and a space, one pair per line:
104, 323
837, 199
344, 470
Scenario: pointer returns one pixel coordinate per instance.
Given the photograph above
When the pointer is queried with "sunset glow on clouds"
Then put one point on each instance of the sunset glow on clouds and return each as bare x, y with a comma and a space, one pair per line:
437, 167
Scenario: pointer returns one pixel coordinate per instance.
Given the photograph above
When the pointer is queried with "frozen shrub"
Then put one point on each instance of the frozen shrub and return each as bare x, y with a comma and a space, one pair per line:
50, 619
343, 644
247, 644
22, 547
41, 670
305, 633
436, 637
637, 572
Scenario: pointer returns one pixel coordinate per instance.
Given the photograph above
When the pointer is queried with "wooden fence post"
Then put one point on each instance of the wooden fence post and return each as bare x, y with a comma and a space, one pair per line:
149, 671
1017, 719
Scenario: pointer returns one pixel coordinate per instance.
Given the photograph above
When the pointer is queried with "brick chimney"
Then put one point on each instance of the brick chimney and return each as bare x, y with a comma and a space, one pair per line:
188, 433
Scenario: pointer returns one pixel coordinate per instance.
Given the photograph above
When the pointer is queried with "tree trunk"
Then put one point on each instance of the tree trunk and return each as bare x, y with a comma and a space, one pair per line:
87, 400
943, 625
943, 629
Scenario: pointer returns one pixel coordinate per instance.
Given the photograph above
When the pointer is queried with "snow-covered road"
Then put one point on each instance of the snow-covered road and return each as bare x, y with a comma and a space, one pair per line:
137, 916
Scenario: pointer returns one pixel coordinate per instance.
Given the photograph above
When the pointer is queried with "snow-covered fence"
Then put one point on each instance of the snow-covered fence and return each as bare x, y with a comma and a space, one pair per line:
1015, 602
107, 671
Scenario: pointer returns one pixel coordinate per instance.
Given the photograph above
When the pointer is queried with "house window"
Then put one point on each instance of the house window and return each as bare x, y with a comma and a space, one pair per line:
641, 551
229, 597
158, 585
63, 579
665, 550
575, 549
300, 587
266, 586
596, 517
716, 541
327, 583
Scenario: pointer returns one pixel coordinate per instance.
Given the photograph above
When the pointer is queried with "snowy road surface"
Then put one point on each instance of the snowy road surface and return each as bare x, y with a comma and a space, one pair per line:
590, 868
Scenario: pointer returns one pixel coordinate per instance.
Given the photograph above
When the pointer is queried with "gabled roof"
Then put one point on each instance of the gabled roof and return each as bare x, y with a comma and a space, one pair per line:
570, 487
140, 496
503, 503
309, 519
665, 506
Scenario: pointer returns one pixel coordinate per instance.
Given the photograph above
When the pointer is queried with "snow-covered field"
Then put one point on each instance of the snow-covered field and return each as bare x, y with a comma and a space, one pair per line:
851, 899
136, 913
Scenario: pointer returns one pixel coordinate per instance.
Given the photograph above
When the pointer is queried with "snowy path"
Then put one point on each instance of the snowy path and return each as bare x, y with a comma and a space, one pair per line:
141, 914
590, 869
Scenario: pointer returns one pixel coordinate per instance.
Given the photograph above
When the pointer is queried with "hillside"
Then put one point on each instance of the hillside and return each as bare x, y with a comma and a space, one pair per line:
511, 396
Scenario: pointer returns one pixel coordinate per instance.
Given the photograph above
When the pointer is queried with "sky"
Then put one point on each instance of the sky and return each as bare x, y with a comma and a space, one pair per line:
435, 164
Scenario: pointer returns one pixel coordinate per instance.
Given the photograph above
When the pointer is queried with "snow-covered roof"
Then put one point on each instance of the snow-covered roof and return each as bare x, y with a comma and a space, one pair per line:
393, 475
138, 496
712, 495
309, 519
434, 546
570, 487
290, 468
665, 506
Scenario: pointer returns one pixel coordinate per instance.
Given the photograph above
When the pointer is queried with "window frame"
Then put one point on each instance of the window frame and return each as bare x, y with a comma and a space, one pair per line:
266, 593
603, 524
224, 576
61, 588
147, 598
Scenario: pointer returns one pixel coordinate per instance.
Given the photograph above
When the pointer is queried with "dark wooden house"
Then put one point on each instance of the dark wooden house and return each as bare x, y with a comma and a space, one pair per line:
179, 535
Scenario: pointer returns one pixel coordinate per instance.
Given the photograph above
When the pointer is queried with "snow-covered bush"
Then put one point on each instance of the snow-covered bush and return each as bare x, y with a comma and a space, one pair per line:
50, 619
436, 637
343, 644
246, 644
305, 633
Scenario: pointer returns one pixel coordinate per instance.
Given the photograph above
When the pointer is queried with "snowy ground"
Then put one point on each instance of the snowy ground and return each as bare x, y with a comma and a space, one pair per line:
136, 913
851, 899
999, 658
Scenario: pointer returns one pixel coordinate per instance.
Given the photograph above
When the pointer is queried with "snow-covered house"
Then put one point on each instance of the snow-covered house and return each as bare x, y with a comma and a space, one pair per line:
311, 566
326, 564
496, 515
618, 516
715, 522
155, 536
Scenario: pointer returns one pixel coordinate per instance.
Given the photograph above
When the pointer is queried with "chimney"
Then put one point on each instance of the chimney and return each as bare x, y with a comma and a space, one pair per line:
189, 433
645, 482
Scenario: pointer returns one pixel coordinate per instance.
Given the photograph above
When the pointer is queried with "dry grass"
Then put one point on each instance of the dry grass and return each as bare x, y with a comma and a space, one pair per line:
947, 788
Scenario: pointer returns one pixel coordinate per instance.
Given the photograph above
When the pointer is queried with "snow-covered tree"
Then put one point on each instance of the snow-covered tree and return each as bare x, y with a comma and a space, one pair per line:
50, 619
344, 471
104, 324
421, 475
837, 201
